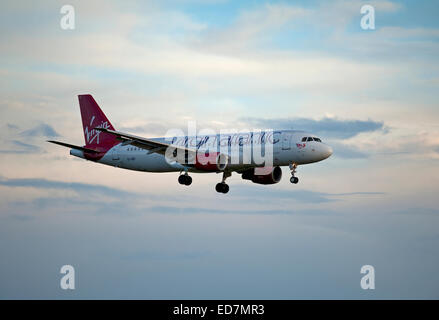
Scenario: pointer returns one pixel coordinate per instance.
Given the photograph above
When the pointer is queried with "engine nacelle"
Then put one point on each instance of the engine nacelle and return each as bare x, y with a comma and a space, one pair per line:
263, 175
211, 161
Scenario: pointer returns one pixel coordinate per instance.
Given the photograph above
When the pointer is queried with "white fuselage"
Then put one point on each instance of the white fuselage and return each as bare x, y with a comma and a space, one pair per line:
286, 147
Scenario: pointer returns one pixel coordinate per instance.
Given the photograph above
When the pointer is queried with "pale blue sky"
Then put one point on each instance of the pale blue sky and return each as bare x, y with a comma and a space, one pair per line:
154, 65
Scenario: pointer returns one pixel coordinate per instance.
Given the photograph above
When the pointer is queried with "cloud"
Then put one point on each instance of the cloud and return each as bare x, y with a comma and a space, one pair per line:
132, 204
24, 148
161, 54
419, 143
159, 255
328, 127
416, 211
134, 208
339, 13
266, 194
258, 25
250, 27
10, 146
42, 130
200, 210
82, 188
272, 61
153, 128
347, 152
12, 127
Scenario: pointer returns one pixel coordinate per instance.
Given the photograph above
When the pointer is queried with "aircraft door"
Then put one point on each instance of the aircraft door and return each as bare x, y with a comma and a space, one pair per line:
115, 156
286, 140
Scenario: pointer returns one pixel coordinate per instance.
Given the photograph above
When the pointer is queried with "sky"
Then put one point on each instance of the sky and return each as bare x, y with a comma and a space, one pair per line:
156, 65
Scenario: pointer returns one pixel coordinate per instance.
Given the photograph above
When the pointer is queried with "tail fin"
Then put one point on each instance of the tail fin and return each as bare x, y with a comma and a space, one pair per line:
93, 117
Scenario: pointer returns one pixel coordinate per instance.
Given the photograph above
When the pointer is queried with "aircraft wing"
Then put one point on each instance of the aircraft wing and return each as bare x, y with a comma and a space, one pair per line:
148, 144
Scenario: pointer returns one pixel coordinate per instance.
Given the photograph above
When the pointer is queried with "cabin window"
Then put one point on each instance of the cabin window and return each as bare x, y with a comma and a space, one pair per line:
309, 139
303, 139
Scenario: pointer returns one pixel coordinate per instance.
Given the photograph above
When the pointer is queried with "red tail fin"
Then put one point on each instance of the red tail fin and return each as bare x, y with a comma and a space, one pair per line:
93, 117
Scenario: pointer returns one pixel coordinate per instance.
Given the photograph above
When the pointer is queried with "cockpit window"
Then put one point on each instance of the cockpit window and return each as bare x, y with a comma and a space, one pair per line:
304, 139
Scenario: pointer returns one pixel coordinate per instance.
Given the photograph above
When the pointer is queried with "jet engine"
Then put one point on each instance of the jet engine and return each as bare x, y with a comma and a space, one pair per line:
263, 175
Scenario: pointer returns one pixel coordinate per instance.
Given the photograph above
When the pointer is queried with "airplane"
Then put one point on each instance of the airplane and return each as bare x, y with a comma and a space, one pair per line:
197, 154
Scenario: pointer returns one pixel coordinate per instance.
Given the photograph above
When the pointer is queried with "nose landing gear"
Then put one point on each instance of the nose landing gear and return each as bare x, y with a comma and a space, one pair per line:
293, 178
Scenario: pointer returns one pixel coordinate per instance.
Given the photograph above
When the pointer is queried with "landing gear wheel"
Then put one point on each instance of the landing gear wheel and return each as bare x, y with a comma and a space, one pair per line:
222, 187
294, 180
185, 179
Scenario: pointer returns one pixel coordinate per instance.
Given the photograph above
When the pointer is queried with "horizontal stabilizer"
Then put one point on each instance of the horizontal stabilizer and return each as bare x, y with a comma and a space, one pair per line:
73, 146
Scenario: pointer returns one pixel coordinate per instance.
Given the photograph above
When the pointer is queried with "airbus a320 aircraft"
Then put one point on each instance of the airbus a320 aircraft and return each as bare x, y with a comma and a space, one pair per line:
200, 153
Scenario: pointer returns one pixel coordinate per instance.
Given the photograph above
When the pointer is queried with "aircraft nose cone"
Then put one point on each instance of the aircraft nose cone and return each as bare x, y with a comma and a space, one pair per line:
328, 152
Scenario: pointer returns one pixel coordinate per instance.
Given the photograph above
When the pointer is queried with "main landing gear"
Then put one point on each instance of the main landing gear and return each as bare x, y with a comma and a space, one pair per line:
223, 187
293, 178
185, 179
